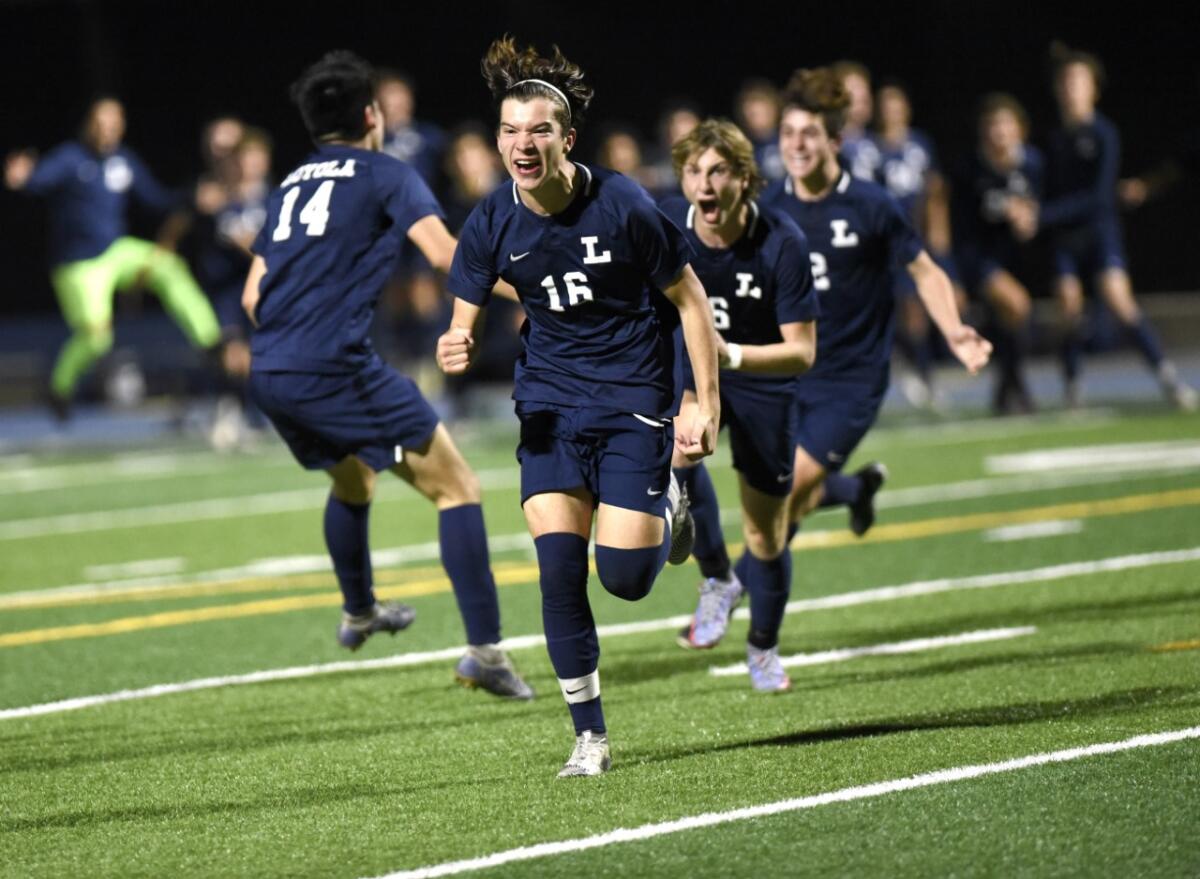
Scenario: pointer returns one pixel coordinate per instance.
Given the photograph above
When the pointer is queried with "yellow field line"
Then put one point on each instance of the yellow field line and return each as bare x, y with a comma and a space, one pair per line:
513, 573
1137, 503
1176, 645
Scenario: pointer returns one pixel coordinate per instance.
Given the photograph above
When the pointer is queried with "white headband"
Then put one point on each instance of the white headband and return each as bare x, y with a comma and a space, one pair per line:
550, 86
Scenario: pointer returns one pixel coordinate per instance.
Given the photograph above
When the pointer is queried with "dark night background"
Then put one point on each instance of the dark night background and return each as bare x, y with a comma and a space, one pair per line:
176, 64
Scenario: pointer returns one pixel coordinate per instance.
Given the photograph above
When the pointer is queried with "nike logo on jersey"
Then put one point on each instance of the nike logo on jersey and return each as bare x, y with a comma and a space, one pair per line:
783, 477
654, 493
516, 257
835, 458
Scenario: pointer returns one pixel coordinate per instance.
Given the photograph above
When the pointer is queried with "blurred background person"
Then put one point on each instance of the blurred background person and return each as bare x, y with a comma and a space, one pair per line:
756, 110
1080, 214
908, 169
620, 149
858, 153
990, 248
89, 184
677, 120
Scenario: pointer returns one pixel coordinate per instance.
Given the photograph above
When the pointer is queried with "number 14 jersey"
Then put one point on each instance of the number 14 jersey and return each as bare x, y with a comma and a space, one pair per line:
332, 236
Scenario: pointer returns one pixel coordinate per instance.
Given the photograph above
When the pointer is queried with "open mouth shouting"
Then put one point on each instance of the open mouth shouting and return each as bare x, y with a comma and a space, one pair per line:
709, 208
527, 168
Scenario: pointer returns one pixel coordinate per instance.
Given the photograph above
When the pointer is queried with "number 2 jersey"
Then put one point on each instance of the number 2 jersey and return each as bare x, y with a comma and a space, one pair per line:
333, 233
762, 280
857, 236
598, 332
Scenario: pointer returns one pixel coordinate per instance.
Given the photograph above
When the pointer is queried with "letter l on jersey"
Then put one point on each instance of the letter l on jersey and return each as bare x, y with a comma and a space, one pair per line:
592, 258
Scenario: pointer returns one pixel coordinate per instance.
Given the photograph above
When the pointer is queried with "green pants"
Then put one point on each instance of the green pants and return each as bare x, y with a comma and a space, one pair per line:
85, 294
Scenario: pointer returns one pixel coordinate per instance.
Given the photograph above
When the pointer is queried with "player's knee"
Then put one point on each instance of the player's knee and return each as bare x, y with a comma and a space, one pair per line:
99, 339
355, 487
628, 573
765, 543
457, 486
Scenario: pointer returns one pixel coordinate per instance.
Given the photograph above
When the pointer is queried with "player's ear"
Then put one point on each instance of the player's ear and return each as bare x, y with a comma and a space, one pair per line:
570, 140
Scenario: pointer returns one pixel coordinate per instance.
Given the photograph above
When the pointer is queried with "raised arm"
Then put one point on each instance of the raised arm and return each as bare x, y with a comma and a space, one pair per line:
937, 294
687, 294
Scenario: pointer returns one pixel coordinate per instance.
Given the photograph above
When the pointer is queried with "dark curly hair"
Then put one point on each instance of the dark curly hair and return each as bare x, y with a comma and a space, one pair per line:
507, 69
332, 95
819, 91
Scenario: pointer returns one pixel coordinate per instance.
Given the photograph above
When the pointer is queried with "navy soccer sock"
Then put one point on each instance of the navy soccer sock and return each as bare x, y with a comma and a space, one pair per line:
1146, 341
709, 549
463, 541
571, 637
347, 528
629, 573
840, 489
1072, 352
769, 583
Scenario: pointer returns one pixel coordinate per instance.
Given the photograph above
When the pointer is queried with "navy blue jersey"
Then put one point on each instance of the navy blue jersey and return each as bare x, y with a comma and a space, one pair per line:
859, 155
983, 237
596, 329
857, 237
88, 194
333, 232
762, 281
221, 260
421, 145
904, 170
1082, 165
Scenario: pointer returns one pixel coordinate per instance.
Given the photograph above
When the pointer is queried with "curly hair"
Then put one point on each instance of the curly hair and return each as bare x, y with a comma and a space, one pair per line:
819, 91
729, 142
512, 72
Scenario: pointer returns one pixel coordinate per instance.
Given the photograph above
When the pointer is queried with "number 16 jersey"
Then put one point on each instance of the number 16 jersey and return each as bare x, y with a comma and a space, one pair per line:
332, 236
597, 331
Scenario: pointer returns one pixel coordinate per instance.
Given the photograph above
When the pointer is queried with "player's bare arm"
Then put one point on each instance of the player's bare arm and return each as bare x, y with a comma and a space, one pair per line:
794, 355
258, 268
456, 348
937, 294
700, 337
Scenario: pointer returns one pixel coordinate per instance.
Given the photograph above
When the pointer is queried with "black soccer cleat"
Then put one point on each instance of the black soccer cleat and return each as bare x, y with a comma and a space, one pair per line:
862, 511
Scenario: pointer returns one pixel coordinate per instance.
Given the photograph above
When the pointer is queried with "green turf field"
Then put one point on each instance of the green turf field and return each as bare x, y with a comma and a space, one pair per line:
1048, 599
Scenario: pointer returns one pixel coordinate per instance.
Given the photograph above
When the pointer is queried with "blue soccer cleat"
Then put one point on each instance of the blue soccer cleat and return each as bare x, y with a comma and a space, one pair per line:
718, 598
387, 617
766, 670
496, 676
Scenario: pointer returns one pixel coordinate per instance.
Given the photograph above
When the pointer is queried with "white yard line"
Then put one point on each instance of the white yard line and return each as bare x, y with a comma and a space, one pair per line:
1032, 530
507, 478
1127, 456
139, 568
916, 645
844, 795
867, 596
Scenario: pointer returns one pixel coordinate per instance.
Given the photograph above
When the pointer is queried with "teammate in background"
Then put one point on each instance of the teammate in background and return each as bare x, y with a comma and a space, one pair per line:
989, 236
320, 262
676, 121
857, 236
88, 184
232, 216
756, 110
908, 169
858, 151
755, 266
1080, 213
588, 253
414, 294
620, 151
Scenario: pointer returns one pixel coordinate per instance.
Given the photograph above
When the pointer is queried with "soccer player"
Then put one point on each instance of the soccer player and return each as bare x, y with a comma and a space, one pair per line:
88, 184
756, 109
321, 260
755, 267
857, 234
604, 279
990, 234
1080, 213
908, 169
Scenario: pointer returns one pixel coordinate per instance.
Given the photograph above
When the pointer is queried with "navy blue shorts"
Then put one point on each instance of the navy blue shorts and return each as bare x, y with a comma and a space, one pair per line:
831, 419
761, 424
1086, 253
374, 414
624, 460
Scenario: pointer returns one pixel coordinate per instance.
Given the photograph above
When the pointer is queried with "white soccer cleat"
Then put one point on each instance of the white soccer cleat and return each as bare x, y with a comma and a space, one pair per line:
718, 598
766, 671
590, 757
